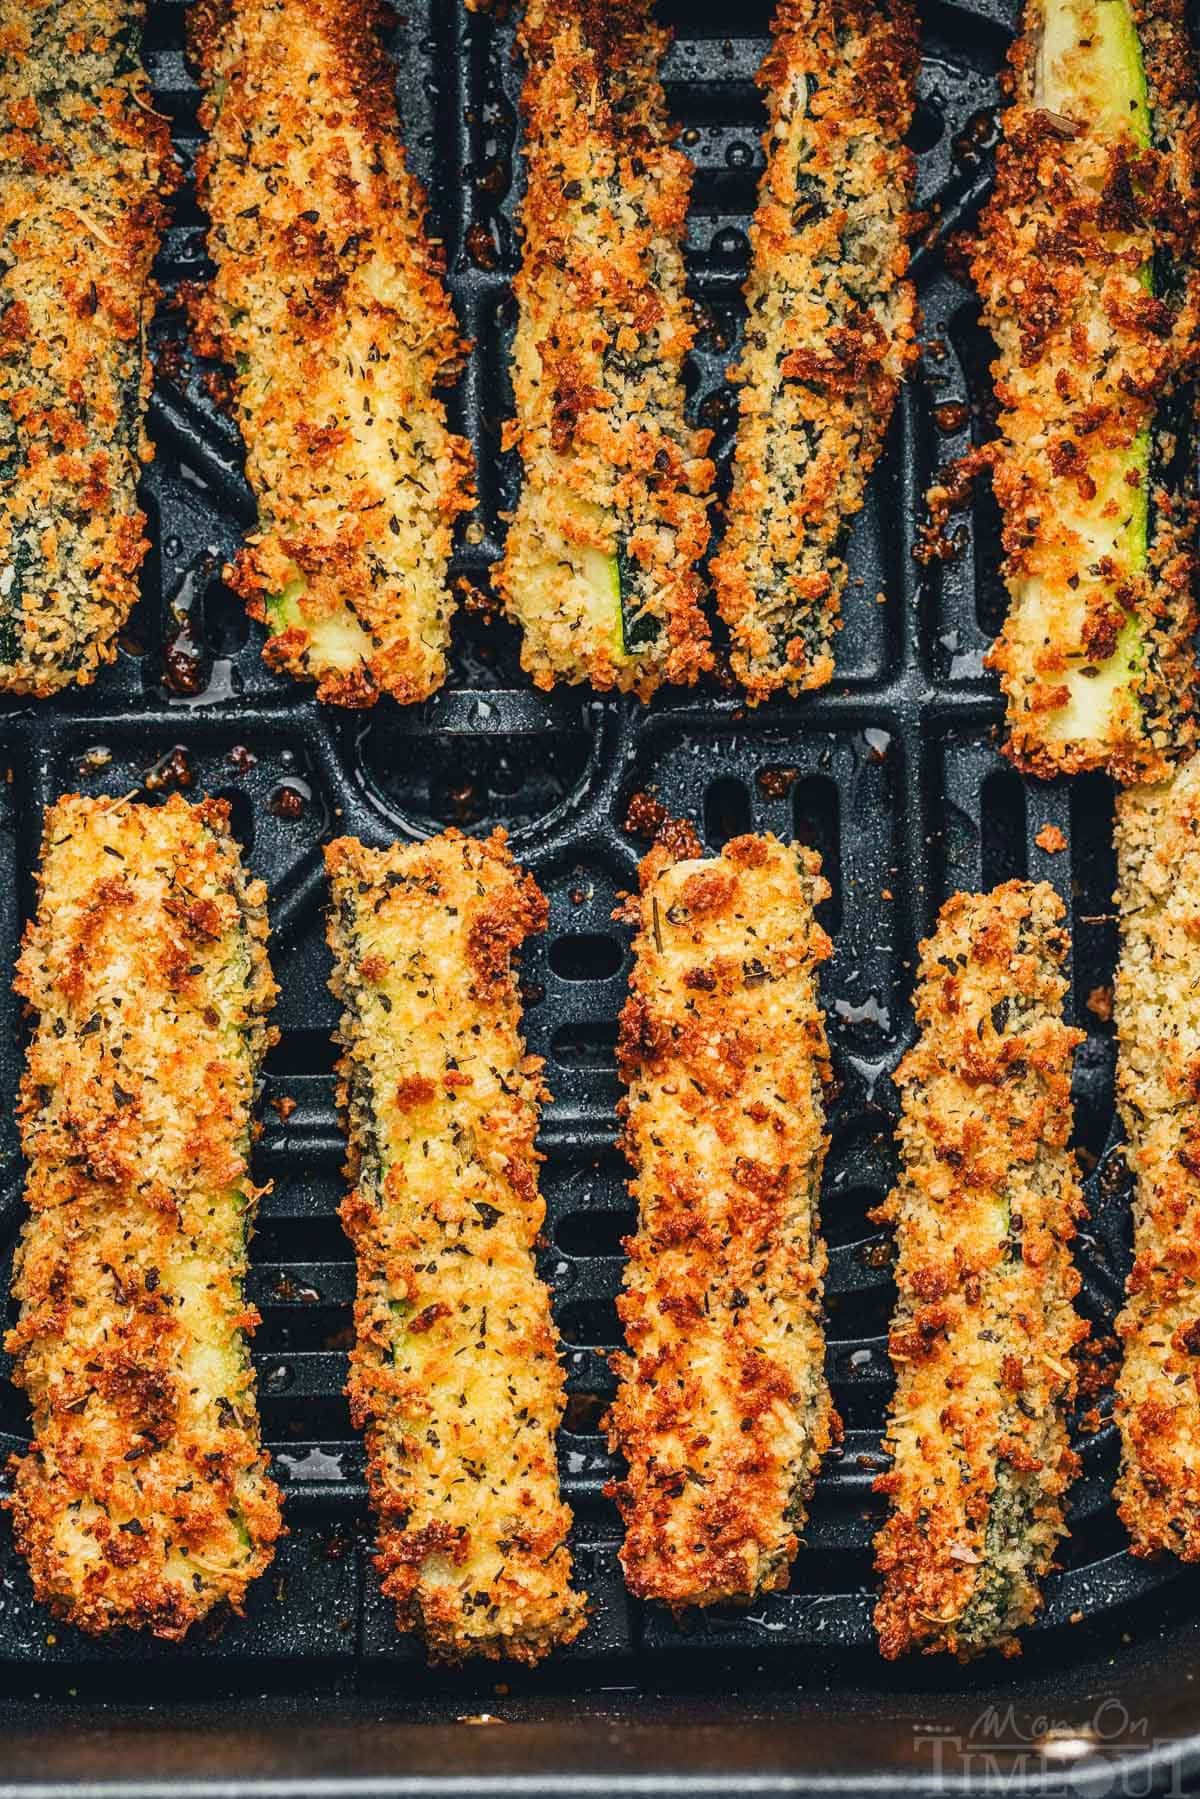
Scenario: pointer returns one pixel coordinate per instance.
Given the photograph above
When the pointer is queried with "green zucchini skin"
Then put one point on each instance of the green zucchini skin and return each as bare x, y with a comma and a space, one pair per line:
82, 188
1087, 269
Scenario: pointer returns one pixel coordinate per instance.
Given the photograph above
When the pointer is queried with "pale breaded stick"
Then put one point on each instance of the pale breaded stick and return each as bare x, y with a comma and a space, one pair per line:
145, 1499
85, 163
329, 303
984, 1332
1157, 1008
600, 568
455, 1370
829, 336
723, 1412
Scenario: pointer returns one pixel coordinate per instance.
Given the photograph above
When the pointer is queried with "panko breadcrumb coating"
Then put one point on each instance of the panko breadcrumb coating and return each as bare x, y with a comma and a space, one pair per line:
984, 1332
145, 1498
1086, 266
723, 1412
85, 164
600, 568
455, 1371
1157, 1009
829, 336
329, 304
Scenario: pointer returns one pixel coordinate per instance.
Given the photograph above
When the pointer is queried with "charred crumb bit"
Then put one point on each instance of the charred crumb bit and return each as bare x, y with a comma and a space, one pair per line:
1051, 839
644, 815
982, 1339
777, 783
1100, 1003
455, 1372
242, 759
171, 770
829, 335
286, 801
722, 1296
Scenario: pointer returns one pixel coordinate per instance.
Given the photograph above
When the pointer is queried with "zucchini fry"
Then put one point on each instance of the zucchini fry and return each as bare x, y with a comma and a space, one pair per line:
830, 331
984, 1331
600, 568
1087, 271
84, 166
455, 1374
144, 1499
723, 1412
329, 305
1158, 1091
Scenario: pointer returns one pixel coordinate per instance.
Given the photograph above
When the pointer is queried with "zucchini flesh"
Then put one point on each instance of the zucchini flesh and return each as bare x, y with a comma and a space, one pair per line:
144, 1499
982, 1339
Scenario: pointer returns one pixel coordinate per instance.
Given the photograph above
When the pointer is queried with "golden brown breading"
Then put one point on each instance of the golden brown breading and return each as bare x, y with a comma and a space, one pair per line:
600, 568
1157, 1006
329, 303
830, 331
1086, 268
984, 1331
145, 1498
84, 166
455, 1372
723, 1411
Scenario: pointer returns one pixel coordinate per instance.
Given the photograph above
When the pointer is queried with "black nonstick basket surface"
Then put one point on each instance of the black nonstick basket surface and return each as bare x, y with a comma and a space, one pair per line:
893, 773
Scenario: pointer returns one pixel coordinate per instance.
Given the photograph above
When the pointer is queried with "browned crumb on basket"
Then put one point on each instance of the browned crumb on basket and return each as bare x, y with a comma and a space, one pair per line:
145, 1498
455, 1372
985, 1329
829, 336
601, 564
1157, 1005
1086, 267
723, 1412
85, 166
330, 306
1051, 839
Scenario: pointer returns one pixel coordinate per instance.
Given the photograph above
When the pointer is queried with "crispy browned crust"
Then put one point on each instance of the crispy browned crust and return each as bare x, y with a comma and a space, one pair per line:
612, 468
1157, 1007
145, 1498
830, 331
455, 1373
1076, 215
983, 1336
723, 1411
83, 173
329, 303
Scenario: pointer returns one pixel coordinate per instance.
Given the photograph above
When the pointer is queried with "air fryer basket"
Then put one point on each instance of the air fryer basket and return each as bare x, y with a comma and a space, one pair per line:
893, 773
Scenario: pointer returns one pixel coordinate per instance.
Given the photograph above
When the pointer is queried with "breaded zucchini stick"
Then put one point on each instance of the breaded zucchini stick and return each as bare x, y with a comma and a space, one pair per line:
84, 163
455, 1372
982, 1339
829, 336
600, 569
1086, 266
1158, 1092
328, 302
723, 1412
145, 1498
